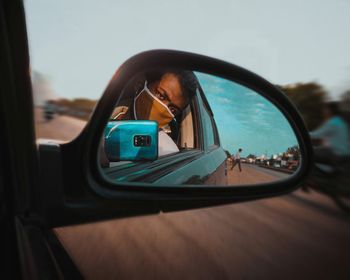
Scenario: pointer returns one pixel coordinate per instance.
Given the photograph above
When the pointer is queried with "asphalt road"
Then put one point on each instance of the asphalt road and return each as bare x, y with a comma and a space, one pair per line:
61, 127
253, 174
296, 236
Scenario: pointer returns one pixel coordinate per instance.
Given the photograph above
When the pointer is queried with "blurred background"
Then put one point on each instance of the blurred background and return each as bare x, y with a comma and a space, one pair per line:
300, 46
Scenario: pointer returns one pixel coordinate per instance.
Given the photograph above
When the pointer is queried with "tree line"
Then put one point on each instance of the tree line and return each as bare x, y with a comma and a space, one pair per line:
309, 98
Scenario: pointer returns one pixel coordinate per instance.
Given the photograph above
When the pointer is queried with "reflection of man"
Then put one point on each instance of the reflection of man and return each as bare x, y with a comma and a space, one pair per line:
335, 135
237, 160
161, 97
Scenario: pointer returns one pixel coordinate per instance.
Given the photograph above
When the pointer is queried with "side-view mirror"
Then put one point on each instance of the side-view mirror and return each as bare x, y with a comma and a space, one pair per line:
180, 131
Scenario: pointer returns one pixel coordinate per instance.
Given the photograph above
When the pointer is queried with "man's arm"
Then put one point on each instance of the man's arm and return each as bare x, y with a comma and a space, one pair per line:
166, 144
323, 131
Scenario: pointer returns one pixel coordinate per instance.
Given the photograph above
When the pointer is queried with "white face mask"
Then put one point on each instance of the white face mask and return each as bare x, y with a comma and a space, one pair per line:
148, 107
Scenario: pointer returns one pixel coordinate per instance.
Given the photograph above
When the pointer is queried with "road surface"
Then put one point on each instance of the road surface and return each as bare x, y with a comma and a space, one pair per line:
296, 236
61, 127
253, 174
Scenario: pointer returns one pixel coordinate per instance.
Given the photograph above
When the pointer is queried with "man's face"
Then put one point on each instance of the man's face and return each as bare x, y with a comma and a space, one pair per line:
168, 90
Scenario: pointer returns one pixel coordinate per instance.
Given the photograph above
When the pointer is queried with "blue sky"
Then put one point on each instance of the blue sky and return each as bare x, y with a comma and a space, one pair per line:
78, 45
245, 119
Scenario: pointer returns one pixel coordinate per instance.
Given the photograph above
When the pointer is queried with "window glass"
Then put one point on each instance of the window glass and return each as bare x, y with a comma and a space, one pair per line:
187, 137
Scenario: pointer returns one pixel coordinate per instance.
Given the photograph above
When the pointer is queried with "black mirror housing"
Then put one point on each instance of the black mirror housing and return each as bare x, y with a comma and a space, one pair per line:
84, 194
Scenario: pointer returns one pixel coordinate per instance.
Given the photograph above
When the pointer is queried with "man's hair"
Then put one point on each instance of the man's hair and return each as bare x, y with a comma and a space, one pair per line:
333, 107
188, 80
240, 150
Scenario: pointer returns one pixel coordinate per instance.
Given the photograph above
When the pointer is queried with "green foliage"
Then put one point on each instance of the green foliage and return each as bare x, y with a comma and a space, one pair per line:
309, 99
345, 100
295, 151
251, 156
79, 107
345, 106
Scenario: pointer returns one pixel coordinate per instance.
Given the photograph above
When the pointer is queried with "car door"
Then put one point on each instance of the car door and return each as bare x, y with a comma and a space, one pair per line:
52, 184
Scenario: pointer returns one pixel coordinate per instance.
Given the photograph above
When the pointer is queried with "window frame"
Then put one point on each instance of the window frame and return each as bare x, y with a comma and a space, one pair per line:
205, 108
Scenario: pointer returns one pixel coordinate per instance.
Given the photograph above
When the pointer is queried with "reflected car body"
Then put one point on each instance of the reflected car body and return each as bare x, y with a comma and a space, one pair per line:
203, 161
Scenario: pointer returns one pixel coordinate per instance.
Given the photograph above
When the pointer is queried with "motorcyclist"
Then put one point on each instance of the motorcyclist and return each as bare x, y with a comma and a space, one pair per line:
334, 134
331, 172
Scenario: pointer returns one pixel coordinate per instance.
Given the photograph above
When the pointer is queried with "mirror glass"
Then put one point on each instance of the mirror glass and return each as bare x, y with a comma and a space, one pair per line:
176, 127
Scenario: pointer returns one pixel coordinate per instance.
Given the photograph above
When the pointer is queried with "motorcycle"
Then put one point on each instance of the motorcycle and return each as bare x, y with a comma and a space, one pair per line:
332, 179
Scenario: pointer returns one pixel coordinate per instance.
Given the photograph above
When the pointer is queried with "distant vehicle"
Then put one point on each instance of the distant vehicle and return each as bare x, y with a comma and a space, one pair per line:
49, 111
